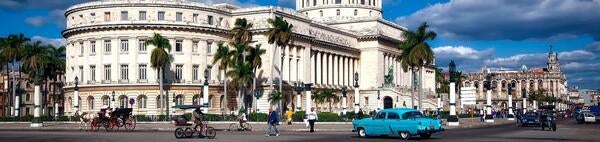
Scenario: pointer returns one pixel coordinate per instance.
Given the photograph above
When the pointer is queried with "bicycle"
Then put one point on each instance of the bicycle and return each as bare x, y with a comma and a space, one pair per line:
236, 126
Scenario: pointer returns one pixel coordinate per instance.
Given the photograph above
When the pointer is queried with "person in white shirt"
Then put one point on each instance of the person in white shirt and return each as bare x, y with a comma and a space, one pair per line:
312, 117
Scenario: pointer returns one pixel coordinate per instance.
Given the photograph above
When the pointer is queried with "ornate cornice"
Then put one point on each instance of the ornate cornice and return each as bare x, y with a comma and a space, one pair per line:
339, 6
162, 4
69, 32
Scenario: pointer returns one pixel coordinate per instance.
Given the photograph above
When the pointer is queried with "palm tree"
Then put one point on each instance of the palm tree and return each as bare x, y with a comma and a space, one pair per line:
241, 74
279, 34
223, 57
328, 95
277, 98
14, 53
56, 67
417, 54
34, 61
241, 31
318, 98
256, 60
159, 59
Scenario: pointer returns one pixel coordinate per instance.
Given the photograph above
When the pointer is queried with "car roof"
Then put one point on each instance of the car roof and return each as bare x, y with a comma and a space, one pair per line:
398, 110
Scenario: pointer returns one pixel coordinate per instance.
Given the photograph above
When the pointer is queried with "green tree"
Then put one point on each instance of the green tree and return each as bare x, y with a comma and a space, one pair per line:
56, 67
35, 60
241, 31
159, 59
280, 33
241, 75
256, 62
223, 58
328, 96
417, 54
14, 53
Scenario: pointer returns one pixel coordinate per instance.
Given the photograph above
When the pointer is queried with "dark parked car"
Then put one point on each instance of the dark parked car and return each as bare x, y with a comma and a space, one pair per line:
529, 119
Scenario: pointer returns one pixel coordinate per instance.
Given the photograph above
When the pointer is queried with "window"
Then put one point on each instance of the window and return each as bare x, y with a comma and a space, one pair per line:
380, 115
106, 46
178, 46
105, 100
124, 72
393, 115
142, 72
179, 17
124, 16
81, 48
93, 17
321, 13
210, 20
90, 103
355, 12
123, 102
81, 73
338, 1
195, 99
314, 2
195, 69
93, 47
412, 115
370, 13
362, 1
107, 72
141, 102
208, 47
220, 20
195, 46
178, 72
158, 101
106, 16
142, 45
27, 97
92, 72
142, 15
161, 16
337, 12
195, 18
179, 100
124, 45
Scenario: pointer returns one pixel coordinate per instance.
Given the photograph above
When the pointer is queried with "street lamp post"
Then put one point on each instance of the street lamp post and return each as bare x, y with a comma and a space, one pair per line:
452, 119
510, 105
17, 102
356, 94
299, 90
524, 95
76, 96
488, 117
344, 100
112, 104
379, 97
308, 89
205, 92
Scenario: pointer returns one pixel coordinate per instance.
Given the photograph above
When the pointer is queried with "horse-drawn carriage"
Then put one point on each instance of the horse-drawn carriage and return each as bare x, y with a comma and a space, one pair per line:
121, 117
187, 130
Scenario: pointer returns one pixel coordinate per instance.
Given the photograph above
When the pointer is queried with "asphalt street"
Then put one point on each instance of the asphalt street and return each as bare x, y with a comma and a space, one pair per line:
567, 131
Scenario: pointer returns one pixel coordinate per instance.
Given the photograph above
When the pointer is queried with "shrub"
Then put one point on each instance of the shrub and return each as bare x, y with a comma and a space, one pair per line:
299, 116
258, 117
328, 117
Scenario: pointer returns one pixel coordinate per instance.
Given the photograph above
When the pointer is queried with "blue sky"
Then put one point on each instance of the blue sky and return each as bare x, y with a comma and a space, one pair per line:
474, 33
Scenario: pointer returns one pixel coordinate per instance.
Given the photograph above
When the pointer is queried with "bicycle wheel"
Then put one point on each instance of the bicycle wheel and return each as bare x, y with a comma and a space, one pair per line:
211, 133
247, 126
233, 127
179, 133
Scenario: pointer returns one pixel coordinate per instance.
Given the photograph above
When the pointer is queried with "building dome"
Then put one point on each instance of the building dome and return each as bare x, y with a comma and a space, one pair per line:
323, 9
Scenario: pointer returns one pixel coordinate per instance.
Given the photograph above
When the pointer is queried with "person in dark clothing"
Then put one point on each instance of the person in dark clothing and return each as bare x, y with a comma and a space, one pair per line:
273, 120
360, 114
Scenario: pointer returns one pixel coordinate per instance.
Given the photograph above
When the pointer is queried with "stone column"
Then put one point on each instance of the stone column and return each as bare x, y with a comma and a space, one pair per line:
510, 108
308, 89
17, 103
452, 119
76, 100
335, 70
489, 118
205, 97
313, 64
37, 120
330, 69
319, 71
524, 104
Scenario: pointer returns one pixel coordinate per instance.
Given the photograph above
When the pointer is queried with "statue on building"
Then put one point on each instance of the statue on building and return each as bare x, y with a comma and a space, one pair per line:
389, 78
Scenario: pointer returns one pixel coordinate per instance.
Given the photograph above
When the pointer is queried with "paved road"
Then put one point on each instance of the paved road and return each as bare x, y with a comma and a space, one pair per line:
567, 131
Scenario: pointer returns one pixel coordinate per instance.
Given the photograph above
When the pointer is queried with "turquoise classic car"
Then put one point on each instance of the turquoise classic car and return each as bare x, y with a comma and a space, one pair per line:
403, 122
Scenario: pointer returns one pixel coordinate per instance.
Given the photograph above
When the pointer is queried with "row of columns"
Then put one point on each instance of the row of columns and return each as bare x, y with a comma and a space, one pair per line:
552, 87
292, 63
332, 69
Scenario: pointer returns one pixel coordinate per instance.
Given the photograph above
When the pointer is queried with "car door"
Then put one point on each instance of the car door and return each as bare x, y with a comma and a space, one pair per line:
408, 122
376, 126
393, 123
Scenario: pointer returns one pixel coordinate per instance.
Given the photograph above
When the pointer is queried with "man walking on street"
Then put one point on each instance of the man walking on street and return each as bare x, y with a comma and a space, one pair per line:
272, 122
312, 117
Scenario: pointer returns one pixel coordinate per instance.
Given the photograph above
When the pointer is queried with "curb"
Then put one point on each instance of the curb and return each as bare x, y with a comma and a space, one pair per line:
169, 122
155, 130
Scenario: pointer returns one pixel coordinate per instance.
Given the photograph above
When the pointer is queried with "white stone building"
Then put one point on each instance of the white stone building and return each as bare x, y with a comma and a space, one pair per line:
333, 40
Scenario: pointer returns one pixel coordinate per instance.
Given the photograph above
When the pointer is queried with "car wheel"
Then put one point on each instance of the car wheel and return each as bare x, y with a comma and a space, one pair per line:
404, 135
425, 136
361, 133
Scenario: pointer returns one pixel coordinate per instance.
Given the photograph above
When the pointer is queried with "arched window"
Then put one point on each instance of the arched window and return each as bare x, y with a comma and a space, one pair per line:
158, 101
90, 103
105, 100
196, 99
314, 2
27, 97
123, 101
355, 12
209, 105
338, 1
179, 100
321, 12
370, 13
142, 99
337, 12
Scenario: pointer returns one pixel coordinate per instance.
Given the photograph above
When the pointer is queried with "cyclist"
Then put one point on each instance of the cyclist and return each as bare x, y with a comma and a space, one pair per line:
242, 118
197, 116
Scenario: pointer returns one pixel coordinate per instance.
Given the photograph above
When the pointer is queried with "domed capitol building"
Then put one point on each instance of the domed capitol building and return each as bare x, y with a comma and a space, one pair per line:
333, 41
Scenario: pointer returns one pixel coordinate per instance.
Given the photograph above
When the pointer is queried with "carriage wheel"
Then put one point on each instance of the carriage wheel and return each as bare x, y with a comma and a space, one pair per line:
179, 133
95, 124
247, 126
129, 124
112, 125
233, 127
210, 133
189, 132
119, 123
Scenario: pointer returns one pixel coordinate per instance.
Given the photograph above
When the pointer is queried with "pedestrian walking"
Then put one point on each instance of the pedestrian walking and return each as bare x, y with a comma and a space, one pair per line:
272, 122
312, 117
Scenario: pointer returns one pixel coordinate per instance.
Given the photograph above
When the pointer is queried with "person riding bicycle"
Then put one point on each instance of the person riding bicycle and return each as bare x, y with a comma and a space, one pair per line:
197, 116
242, 118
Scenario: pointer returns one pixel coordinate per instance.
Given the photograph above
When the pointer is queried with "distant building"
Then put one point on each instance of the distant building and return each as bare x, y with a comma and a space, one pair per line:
50, 91
590, 96
549, 81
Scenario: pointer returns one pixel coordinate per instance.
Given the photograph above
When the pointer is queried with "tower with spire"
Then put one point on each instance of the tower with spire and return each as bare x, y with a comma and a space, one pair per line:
552, 64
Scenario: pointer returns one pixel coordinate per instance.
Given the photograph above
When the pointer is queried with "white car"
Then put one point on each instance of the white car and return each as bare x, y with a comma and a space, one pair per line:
586, 117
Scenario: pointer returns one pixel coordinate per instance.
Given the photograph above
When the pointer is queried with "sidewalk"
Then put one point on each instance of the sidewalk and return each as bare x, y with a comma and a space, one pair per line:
223, 126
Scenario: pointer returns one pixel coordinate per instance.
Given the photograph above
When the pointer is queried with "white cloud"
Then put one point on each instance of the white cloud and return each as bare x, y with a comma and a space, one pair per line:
576, 55
518, 60
36, 21
510, 19
462, 52
56, 42
579, 67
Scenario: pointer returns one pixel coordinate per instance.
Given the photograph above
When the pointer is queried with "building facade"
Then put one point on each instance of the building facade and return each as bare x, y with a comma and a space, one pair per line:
549, 81
333, 41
